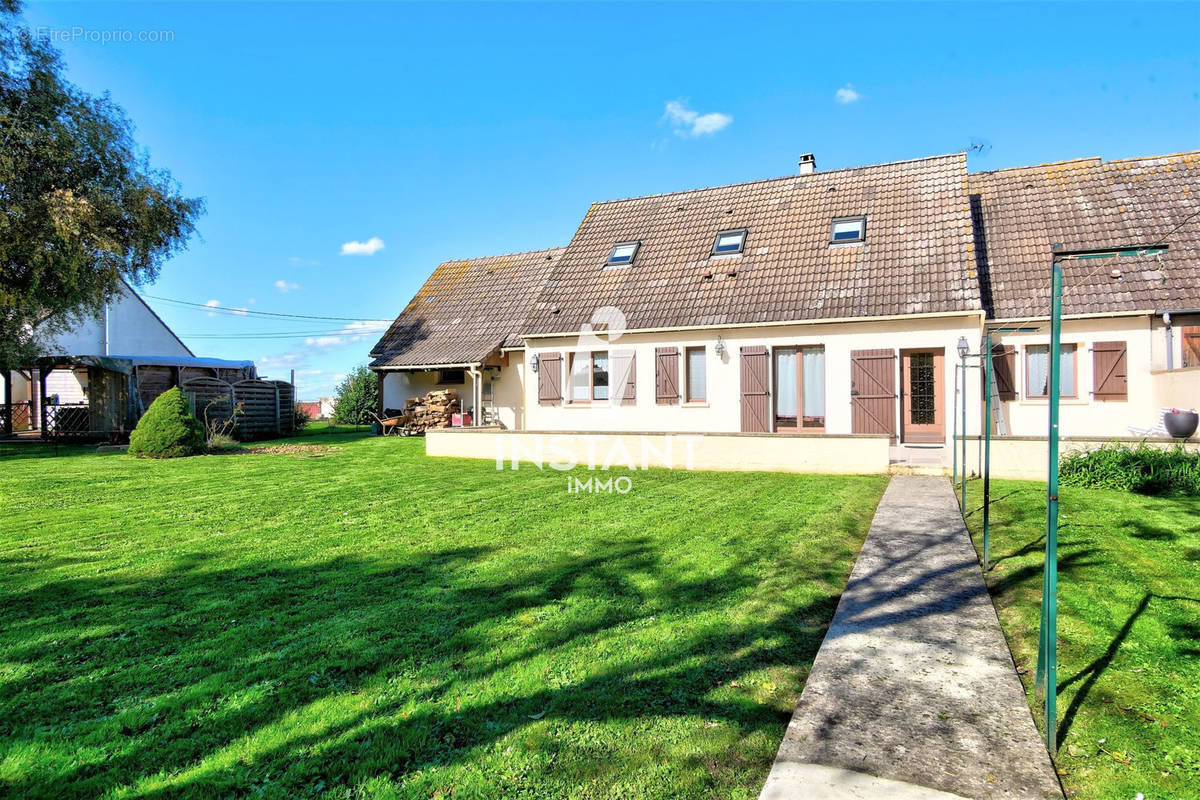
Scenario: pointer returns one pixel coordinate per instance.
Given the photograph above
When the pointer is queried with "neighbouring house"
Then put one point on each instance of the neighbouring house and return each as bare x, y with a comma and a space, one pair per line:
96, 380
309, 408
818, 317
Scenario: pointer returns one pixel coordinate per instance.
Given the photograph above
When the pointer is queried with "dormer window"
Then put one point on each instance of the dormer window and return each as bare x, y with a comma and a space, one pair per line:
622, 254
729, 242
848, 229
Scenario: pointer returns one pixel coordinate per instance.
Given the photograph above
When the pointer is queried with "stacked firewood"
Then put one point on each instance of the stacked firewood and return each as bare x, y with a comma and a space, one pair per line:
434, 410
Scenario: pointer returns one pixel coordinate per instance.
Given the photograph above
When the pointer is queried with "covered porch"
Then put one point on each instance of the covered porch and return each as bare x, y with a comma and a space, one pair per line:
97, 398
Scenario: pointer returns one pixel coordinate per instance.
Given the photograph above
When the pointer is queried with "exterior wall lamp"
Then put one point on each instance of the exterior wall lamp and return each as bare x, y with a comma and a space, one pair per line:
720, 346
533, 363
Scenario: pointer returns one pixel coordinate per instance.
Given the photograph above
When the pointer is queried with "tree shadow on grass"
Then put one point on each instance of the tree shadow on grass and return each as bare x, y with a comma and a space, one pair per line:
1093, 671
164, 676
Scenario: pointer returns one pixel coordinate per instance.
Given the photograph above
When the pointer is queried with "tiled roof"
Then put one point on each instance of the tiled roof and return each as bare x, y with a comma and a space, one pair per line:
930, 228
466, 310
1089, 205
916, 258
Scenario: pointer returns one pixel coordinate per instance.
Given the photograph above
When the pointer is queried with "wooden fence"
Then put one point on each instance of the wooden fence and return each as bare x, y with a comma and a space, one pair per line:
258, 408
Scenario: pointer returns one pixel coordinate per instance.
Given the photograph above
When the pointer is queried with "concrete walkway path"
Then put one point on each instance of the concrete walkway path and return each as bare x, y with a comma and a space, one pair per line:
913, 693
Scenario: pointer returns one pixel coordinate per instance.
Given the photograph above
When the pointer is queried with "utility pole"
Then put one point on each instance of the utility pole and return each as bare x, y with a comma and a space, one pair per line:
1046, 680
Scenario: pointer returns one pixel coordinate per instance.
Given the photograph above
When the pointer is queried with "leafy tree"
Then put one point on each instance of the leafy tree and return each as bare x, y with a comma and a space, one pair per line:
167, 429
80, 206
356, 398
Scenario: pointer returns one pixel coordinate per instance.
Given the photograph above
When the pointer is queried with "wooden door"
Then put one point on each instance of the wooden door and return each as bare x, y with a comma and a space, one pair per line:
873, 391
756, 404
923, 396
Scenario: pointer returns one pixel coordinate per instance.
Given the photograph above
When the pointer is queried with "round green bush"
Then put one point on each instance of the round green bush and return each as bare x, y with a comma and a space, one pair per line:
167, 429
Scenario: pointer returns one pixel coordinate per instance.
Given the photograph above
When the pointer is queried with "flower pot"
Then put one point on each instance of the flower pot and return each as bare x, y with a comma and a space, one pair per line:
1181, 424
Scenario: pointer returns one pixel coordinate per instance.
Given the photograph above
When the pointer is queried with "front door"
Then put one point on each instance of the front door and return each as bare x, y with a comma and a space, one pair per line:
922, 396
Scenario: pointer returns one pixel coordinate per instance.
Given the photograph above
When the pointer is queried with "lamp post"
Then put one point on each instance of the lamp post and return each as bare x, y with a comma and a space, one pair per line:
954, 430
963, 350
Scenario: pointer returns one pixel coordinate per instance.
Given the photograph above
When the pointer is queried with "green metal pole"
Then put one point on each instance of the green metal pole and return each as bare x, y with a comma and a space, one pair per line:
954, 437
1046, 680
963, 477
987, 443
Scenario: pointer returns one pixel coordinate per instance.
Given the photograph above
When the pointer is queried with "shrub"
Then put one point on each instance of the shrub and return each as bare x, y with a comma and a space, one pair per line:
300, 417
356, 398
1141, 469
221, 443
167, 429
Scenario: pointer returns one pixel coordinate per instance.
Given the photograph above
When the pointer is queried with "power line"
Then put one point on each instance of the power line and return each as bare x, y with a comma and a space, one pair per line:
286, 334
243, 312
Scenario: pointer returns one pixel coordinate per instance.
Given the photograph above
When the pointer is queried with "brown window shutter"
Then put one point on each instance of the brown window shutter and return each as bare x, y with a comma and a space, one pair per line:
1190, 339
624, 363
666, 374
550, 379
1108, 371
1004, 371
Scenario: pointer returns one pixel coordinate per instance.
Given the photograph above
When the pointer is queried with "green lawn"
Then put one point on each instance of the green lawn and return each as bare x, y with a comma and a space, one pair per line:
1129, 631
366, 622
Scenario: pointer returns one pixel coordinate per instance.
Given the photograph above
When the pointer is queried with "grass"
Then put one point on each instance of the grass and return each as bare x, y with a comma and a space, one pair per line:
367, 622
1129, 631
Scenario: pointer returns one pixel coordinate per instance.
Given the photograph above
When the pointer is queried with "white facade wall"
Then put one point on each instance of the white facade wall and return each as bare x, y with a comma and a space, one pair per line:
133, 330
721, 412
1082, 415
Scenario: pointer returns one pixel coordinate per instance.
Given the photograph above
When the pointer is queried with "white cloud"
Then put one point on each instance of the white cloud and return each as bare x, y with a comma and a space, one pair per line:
282, 361
349, 333
297, 261
368, 248
846, 95
686, 122
212, 304
241, 312
286, 286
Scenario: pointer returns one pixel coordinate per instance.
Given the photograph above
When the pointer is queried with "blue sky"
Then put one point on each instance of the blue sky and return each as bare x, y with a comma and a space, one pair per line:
457, 130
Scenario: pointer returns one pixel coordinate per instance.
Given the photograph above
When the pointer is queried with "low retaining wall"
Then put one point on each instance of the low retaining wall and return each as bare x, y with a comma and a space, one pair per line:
1024, 457
1020, 458
728, 451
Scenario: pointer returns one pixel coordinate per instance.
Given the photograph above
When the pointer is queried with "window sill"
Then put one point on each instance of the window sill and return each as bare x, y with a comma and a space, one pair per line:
696, 404
1043, 401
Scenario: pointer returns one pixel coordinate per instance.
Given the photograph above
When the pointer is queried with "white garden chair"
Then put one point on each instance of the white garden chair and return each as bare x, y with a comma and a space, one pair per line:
1159, 429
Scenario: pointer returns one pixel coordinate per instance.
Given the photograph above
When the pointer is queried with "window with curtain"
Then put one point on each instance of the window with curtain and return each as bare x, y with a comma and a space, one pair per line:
787, 387
580, 377
599, 376
813, 386
697, 377
1037, 370
589, 377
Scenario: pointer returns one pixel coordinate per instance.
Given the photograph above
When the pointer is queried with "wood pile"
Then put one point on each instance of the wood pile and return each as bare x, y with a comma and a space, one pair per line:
434, 410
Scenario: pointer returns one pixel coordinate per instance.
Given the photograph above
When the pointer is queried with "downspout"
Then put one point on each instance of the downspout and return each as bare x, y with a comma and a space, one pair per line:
476, 393
106, 329
1166, 318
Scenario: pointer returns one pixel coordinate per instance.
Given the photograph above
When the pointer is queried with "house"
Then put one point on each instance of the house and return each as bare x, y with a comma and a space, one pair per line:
816, 320
97, 379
